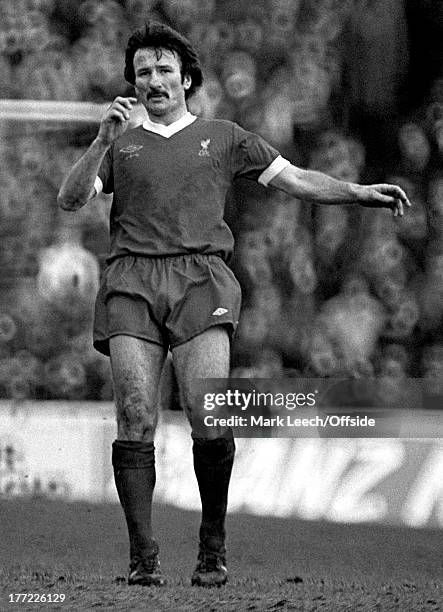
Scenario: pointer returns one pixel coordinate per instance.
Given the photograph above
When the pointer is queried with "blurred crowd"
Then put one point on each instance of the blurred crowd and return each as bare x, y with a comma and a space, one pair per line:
336, 86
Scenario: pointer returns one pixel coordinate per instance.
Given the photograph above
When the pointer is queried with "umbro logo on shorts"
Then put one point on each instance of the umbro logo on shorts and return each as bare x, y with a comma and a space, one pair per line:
219, 311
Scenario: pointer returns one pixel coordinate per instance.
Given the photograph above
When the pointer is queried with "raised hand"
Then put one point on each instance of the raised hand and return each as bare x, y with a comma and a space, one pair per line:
116, 119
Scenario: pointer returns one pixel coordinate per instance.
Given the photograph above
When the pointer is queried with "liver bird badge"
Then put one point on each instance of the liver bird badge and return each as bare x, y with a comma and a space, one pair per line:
204, 151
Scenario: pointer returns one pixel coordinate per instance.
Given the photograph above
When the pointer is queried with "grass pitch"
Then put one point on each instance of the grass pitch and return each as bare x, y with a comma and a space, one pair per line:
80, 550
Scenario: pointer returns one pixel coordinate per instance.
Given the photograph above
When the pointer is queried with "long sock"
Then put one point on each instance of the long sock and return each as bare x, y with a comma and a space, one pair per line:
213, 460
134, 474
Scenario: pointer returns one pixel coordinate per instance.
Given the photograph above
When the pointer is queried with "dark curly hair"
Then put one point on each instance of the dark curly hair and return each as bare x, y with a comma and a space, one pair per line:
159, 36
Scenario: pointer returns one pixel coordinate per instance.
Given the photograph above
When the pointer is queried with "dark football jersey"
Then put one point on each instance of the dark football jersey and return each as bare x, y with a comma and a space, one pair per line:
169, 188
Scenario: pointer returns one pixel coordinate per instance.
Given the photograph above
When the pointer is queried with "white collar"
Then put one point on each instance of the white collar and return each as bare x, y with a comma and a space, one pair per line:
169, 130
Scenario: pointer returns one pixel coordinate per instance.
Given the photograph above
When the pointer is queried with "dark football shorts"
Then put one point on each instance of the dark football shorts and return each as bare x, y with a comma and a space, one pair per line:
167, 300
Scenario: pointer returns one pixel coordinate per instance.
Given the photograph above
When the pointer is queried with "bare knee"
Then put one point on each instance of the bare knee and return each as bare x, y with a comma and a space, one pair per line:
136, 416
136, 367
205, 356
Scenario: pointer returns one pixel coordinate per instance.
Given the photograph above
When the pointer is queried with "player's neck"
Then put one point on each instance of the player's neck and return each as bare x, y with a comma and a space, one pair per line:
168, 118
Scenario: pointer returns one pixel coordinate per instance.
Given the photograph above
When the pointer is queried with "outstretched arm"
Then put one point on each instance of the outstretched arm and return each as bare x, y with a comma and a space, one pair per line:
78, 186
320, 188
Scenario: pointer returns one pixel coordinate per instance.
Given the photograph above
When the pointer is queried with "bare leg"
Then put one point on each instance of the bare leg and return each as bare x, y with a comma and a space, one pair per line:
207, 356
136, 368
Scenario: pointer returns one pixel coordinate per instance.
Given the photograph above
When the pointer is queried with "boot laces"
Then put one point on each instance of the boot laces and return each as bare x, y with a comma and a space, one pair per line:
209, 561
148, 564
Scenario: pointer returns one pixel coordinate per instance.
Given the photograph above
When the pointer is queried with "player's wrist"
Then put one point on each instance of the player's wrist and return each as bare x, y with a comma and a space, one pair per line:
359, 193
101, 143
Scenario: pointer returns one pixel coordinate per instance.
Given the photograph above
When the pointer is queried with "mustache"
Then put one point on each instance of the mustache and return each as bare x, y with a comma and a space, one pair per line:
156, 92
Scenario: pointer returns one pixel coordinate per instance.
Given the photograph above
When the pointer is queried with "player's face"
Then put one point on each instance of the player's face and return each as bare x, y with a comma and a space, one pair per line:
159, 84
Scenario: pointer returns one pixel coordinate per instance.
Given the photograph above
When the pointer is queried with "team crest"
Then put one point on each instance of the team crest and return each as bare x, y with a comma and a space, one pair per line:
204, 150
131, 150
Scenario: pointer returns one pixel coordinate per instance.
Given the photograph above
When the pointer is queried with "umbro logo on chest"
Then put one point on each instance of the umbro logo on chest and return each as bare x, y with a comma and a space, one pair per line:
131, 150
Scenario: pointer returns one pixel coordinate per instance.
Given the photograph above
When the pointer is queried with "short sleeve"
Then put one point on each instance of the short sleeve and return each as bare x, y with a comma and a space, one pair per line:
251, 154
105, 174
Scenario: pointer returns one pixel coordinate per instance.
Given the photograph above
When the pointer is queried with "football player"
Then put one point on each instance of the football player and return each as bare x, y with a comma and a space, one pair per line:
167, 284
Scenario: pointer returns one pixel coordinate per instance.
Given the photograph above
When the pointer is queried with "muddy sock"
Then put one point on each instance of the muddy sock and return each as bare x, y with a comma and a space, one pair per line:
213, 460
134, 474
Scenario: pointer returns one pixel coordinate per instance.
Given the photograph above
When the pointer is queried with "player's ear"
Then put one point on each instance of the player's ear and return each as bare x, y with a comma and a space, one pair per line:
187, 81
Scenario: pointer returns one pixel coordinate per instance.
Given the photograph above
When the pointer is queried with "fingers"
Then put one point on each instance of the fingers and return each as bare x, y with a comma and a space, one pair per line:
128, 101
398, 209
120, 108
400, 200
394, 197
397, 192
